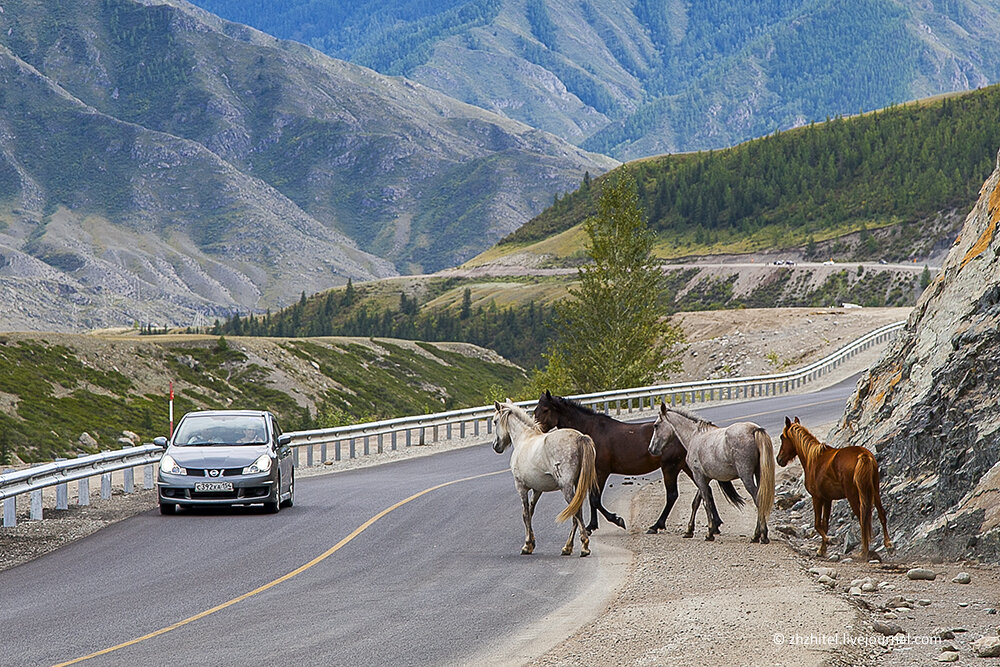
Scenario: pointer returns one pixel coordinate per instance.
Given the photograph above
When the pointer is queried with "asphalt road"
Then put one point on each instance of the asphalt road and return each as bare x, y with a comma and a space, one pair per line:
337, 579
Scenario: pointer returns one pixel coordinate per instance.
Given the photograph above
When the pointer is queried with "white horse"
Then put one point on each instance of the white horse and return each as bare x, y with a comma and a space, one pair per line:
741, 450
560, 460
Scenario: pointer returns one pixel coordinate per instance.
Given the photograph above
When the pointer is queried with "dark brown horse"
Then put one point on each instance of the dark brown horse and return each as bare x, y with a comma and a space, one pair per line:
623, 449
834, 474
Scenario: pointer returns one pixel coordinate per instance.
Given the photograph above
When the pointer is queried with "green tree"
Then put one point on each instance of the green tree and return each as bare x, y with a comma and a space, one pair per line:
611, 332
925, 277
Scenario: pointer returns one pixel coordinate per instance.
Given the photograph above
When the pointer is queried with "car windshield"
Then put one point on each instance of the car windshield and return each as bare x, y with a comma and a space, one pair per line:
205, 430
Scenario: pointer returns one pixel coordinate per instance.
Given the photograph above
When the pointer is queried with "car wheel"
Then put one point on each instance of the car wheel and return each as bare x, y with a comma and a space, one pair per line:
167, 508
272, 506
291, 492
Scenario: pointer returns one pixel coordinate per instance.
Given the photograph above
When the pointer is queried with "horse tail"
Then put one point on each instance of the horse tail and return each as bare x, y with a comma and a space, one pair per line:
865, 473
731, 494
586, 480
765, 490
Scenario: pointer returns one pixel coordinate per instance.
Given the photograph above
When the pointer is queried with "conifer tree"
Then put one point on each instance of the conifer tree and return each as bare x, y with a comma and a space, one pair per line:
612, 333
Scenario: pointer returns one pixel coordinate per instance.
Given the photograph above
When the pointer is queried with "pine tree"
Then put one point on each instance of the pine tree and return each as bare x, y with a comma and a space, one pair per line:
611, 333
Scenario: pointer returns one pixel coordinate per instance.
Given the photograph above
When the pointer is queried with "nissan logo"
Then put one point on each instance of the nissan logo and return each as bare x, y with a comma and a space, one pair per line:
214, 473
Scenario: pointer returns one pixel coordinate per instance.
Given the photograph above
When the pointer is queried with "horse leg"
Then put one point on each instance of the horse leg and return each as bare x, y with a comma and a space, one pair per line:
670, 486
857, 508
881, 518
695, 504
705, 491
597, 506
752, 487
528, 509
584, 535
820, 524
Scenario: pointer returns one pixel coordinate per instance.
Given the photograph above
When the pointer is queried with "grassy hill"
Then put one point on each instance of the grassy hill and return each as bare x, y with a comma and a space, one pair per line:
631, 78
53, 387
900, 180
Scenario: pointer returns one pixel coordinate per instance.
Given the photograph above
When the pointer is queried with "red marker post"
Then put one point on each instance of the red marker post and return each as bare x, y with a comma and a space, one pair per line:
171, 409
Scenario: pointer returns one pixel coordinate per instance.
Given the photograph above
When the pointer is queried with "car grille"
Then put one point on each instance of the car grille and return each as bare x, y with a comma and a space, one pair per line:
202, 472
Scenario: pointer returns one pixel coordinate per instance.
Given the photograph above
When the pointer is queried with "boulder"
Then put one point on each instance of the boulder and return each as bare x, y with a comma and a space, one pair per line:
921, 573
88, 441
987, 647
962, 578
887, 629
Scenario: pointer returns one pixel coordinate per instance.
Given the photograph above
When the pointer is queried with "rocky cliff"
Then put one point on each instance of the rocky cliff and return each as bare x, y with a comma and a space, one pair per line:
930, 407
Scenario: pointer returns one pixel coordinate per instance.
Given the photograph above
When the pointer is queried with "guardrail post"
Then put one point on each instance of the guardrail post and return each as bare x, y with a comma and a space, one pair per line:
353, 448
147, 477
83, 492
447, 432
10, 512
489, 427
295, 461
392, 440
408, 437
106, 486
336, 450
322, 453
36, 505
421, 439
434, 434
475, 428
128, 477
607, 409
461, 429
380, 441
367, 452
62, 492
309, 455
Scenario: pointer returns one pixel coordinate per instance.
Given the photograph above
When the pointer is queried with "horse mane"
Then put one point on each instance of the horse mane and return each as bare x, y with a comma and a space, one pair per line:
810, 443
562, 402
522, 416
684, 412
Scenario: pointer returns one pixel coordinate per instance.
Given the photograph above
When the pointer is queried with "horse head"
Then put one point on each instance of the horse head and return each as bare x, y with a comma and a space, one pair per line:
501, 436
547, 412
787, 451
663, 432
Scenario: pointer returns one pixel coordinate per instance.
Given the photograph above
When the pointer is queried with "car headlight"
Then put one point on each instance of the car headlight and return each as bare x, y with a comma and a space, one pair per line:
262, 464
167, 464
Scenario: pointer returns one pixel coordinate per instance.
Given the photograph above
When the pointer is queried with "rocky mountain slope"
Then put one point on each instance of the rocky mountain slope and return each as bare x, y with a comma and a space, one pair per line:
157, 163
930, 408
632, 78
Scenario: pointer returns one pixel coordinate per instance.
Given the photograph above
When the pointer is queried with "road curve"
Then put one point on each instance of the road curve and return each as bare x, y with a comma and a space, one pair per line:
337, 579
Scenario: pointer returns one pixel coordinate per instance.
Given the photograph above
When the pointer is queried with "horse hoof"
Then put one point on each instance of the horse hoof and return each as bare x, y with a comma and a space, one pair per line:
765, 540
620, 522
687, 536
651, 530
584, 554
710, 537
567, 552
756, 539
591, 529
525, 551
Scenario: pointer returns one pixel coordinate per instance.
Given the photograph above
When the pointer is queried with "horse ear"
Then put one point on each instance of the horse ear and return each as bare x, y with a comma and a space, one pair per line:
496, 405
547, 394
797, 421
788, 422
663, 408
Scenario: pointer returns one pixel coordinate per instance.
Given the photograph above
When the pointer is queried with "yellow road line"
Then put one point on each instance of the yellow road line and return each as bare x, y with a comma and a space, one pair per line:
299, 570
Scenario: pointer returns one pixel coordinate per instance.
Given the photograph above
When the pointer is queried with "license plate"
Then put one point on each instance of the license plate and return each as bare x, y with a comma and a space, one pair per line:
213, 486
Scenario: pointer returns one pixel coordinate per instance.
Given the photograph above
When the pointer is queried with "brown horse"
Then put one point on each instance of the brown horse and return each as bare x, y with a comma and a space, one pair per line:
623, 449
834, 474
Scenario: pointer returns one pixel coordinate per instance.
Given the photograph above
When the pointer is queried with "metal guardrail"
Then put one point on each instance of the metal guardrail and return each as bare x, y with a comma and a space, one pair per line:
361, 439
421, 427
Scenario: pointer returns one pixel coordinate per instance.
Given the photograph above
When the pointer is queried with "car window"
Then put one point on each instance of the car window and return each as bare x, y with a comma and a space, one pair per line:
206, 430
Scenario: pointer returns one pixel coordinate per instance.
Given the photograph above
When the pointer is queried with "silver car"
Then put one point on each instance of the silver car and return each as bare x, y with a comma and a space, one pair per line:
226, 457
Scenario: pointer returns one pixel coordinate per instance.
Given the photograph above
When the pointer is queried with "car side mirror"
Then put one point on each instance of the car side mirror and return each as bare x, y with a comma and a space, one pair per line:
160, 441
284, 440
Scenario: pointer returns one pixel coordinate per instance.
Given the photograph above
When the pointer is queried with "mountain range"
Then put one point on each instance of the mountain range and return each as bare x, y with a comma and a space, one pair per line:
160, 164
632, 78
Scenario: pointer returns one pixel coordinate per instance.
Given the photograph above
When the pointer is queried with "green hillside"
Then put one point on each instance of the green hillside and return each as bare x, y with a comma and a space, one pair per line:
631, 78
54, 388
889, 170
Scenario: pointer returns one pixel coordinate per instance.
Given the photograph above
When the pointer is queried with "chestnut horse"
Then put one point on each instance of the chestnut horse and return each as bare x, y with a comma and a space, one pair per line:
623, 449
834, 474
